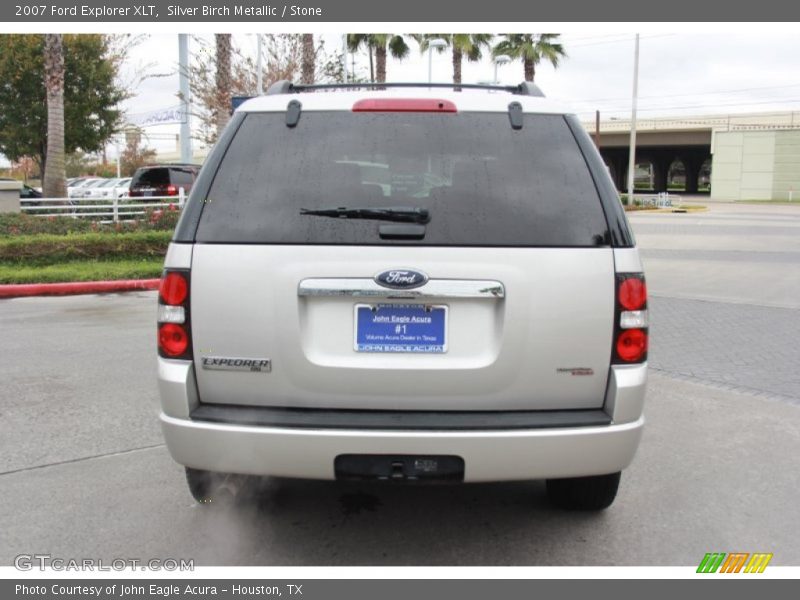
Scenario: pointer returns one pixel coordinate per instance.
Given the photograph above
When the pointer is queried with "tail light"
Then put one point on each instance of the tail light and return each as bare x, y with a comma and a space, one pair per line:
404, 105
174, 324
172, 190
631, 319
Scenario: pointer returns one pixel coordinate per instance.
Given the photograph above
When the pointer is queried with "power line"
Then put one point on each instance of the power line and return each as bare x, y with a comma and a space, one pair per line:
592, 37
626, 38
705, 105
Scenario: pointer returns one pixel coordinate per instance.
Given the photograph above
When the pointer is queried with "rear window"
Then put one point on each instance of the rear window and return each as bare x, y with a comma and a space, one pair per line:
151, 177
483, 183
181, 177
162, 176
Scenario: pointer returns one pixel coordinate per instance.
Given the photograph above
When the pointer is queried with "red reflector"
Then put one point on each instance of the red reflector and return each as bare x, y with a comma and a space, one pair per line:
173, 288
632, 345
632, 293
404, 105
172, 190
172, 339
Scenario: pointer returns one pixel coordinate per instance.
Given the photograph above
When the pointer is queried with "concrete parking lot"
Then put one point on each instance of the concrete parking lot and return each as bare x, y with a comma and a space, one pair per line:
84, 472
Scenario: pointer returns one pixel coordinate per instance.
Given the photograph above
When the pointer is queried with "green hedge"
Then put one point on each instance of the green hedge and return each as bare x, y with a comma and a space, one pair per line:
14, 224
41, 250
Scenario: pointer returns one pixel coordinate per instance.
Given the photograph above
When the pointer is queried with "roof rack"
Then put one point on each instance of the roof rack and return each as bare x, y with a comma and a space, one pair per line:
526, 88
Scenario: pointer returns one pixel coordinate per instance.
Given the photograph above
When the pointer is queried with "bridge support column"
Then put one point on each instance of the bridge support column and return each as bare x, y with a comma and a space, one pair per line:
616, 166
617, 173
661, 165
692, 167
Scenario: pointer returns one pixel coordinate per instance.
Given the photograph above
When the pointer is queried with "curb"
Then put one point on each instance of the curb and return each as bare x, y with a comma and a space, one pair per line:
81, 287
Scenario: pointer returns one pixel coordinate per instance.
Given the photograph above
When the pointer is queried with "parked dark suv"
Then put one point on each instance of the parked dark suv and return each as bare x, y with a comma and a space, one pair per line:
163, 180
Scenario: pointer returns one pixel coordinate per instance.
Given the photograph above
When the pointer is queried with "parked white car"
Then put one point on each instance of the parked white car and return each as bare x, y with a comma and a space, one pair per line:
108, 189
77, 189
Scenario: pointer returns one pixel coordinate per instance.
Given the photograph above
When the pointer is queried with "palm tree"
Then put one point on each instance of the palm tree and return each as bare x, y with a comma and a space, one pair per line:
55, 185
383, 44
396, 46
469, 45
355, 41
223, 79
309, 58
532, 48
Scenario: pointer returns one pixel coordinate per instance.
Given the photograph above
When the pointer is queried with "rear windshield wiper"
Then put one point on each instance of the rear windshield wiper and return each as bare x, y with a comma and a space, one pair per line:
400, 214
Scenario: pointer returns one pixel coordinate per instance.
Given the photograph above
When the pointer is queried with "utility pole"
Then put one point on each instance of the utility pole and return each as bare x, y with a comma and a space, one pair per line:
119, 156
632, 155
259, 68
183, 83
344, 57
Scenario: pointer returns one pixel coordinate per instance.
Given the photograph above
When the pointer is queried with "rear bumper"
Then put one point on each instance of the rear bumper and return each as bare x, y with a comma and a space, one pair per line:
492, 454
488, 455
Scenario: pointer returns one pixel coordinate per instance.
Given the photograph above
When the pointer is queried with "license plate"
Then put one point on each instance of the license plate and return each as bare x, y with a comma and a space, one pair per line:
412, 328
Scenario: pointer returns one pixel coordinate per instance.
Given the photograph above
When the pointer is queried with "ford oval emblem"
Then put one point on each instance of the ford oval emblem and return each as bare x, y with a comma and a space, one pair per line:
401, 279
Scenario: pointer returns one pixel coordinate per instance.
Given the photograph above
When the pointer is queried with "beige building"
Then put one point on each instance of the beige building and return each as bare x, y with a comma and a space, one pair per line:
753, 156
755, 165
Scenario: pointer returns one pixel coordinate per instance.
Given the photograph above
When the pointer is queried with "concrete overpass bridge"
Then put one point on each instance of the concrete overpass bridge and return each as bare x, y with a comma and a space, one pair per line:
676, 153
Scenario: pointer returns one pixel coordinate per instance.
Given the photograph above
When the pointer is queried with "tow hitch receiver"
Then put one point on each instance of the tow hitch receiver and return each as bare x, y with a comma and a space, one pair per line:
404, 467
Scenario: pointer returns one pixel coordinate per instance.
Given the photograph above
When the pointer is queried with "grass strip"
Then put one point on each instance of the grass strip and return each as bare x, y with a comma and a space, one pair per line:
82, 270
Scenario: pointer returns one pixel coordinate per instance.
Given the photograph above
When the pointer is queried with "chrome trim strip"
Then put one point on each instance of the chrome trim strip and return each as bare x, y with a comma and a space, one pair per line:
435, 288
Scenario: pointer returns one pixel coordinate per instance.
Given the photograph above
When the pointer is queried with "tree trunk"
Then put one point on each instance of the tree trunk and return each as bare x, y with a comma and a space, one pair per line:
223, 80
457, 59
55, 184
371, 66
380, 64
529, 69
309, 58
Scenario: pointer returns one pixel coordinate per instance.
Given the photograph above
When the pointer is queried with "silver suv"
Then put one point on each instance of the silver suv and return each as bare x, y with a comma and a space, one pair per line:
404, 284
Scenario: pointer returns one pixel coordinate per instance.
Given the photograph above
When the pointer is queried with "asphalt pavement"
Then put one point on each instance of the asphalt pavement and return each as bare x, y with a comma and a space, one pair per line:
84, 472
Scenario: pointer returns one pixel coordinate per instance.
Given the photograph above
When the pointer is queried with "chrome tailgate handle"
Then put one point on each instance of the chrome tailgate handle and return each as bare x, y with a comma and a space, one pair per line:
434, 288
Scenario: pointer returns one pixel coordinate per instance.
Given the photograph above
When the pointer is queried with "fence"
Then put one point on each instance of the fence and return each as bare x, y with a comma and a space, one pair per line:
106, 210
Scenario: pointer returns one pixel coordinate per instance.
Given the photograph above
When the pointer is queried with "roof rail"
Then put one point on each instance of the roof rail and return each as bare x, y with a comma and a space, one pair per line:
282, 86
526, 88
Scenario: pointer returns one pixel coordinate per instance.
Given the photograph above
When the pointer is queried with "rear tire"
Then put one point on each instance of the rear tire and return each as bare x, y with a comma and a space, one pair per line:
584, 493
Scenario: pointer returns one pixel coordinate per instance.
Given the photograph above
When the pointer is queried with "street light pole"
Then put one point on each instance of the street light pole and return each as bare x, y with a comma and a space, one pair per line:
183, 84
437, 43
499, 60
632, 154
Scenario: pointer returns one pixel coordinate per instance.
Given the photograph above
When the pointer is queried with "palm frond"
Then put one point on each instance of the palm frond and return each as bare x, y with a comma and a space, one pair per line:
398, 47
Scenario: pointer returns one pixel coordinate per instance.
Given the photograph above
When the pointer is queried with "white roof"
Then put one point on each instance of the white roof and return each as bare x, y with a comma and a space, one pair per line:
468, 100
